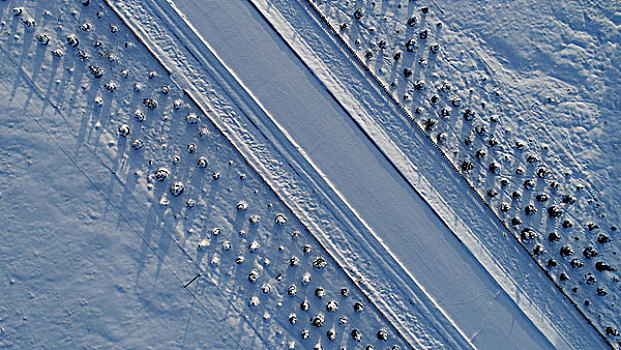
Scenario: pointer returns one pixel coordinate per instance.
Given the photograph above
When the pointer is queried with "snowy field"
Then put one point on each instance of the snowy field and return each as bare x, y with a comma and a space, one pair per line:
275, 174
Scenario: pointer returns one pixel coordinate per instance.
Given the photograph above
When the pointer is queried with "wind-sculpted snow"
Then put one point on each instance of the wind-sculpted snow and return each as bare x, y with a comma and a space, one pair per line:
506, 92
150, 153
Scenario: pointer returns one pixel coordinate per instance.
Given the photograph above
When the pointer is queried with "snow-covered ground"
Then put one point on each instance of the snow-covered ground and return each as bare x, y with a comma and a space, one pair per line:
78, 271
331, 140
247, 153
74, 272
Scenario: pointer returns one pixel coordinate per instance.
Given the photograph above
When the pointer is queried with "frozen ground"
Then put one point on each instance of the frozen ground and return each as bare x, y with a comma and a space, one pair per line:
79, 271
296, 182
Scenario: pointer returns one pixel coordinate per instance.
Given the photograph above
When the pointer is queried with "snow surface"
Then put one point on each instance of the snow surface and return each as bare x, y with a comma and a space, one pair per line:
200, 62
258, 155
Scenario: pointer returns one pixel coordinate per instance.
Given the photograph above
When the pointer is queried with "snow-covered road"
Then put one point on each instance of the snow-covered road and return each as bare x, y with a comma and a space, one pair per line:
368, 181
240, 149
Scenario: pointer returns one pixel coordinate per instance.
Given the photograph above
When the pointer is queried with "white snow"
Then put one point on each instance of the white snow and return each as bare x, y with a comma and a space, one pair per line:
228, 174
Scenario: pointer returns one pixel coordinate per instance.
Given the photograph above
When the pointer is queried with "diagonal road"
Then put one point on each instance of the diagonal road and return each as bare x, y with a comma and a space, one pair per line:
362, 175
